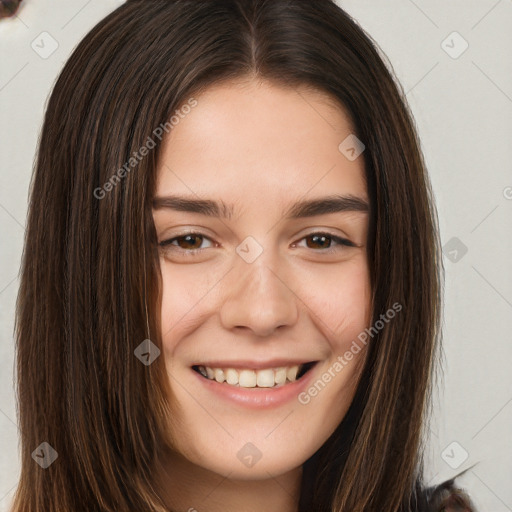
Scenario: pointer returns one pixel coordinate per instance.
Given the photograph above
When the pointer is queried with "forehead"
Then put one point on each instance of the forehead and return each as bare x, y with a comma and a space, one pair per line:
250, 140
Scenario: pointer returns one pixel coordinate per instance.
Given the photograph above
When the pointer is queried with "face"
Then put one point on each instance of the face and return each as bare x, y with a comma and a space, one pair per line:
262, 300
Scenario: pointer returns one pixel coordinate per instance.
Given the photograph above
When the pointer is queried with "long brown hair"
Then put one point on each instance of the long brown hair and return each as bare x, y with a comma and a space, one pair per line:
90, 280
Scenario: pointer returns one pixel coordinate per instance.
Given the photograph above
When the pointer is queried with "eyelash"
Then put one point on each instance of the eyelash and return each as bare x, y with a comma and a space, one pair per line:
342, 242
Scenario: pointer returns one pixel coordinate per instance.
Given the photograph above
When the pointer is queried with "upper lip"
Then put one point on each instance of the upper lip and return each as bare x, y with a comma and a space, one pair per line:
244, 364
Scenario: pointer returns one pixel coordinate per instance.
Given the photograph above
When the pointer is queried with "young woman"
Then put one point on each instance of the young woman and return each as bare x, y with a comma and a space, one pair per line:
231, 284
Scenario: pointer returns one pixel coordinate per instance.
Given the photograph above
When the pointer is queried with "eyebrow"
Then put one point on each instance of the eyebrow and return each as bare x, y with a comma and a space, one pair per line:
300, 209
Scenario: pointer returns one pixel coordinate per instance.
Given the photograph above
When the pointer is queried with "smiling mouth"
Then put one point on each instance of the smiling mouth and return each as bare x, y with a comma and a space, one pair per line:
247, 378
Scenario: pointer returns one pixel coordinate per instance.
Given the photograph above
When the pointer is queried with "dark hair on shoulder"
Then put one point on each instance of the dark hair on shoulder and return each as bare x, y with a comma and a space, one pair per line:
448, 497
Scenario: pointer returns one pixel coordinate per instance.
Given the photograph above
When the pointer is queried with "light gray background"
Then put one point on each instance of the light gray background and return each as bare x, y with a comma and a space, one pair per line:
463, 109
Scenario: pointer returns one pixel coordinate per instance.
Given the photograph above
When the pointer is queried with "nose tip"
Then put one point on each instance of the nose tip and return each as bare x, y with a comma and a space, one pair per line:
258, 299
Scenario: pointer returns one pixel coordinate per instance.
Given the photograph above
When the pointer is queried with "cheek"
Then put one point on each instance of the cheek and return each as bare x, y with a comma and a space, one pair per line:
183, 293
340, 306
338, 298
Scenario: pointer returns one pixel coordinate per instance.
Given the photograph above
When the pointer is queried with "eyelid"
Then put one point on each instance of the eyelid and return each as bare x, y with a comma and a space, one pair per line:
331, 234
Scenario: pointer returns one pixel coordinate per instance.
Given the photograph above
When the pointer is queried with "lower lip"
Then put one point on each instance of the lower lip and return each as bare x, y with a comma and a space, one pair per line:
258, 398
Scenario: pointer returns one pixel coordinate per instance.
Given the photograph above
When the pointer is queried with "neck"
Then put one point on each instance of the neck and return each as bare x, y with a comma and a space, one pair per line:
186, 487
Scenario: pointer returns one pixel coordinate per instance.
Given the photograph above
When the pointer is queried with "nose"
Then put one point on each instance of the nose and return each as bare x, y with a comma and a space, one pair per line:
258, 298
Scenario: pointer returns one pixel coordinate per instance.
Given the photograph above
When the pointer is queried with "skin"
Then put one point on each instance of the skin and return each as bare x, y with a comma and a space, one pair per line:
259, 147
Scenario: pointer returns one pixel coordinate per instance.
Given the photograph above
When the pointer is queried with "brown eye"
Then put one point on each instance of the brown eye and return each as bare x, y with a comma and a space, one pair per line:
187, 243
322, 240
326, 242
8, 8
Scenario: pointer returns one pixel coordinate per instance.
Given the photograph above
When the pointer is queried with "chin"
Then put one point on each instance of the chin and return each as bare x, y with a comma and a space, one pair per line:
243, 459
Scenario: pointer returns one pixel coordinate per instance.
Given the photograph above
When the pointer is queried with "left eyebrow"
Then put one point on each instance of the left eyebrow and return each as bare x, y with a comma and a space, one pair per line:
326, 205
300, 209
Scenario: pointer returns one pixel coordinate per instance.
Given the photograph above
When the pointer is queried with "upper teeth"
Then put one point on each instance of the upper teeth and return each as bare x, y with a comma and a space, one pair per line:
251, 378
